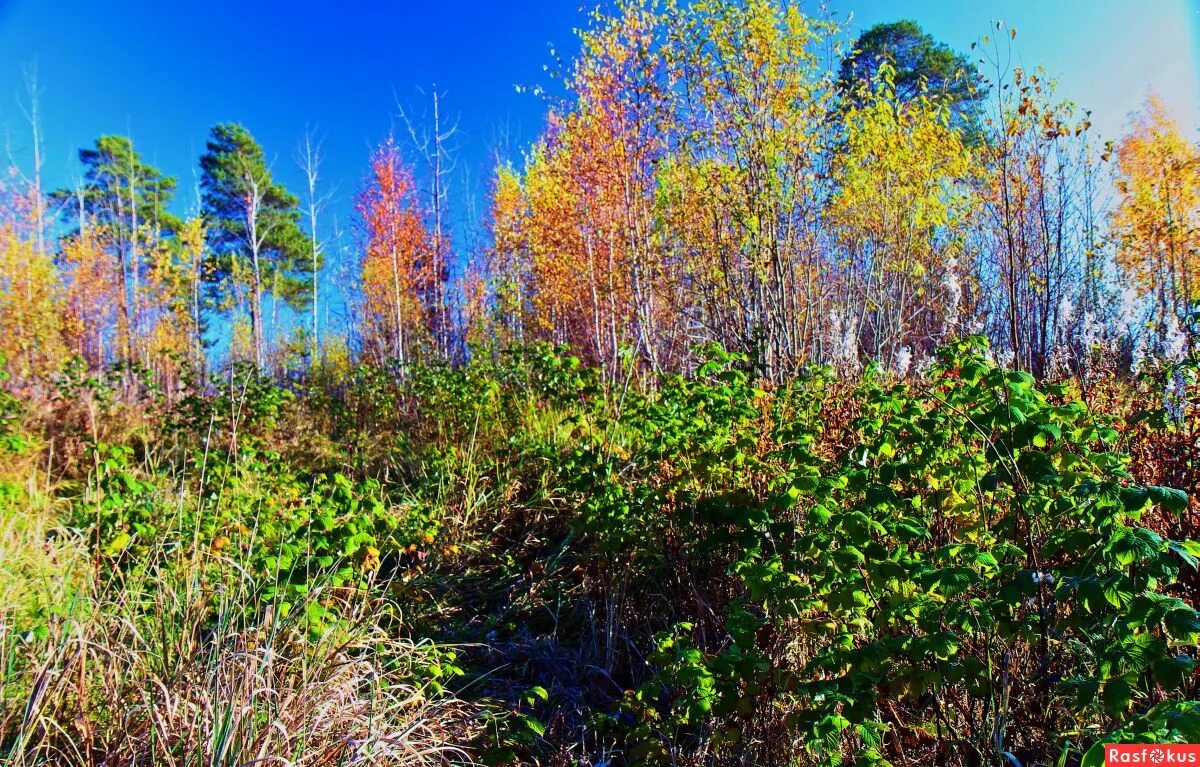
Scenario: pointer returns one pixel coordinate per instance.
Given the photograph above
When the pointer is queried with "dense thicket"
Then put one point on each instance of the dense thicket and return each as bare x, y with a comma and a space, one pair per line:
517, 562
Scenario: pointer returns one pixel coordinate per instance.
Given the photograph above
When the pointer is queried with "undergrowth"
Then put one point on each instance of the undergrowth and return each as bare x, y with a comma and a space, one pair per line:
517, 561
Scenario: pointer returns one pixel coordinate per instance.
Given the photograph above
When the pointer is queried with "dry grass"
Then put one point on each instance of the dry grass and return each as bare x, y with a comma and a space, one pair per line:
182, 664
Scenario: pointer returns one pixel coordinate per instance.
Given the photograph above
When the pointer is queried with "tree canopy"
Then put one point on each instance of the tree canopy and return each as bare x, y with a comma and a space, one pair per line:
120, 190
254, 233
921, 64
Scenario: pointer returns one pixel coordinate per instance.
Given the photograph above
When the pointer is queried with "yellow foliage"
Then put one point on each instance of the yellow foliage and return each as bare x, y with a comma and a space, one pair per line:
1157, 219
900, 213
31, 320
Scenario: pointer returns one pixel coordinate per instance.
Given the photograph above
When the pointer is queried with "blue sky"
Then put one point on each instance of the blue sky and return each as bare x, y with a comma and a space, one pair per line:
163, 72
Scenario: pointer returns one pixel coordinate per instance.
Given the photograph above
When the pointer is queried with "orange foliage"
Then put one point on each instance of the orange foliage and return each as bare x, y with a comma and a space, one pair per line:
576, 258
91, 316
508, 260
397, 278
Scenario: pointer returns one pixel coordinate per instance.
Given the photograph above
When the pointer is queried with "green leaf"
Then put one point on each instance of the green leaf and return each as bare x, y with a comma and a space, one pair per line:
1168, 497
1094, 756
1130, 545
1172, 671
1118, 696
1183, 624
1188, 551
1085, 692
853, 553
536, 726
1134, 499
943, 644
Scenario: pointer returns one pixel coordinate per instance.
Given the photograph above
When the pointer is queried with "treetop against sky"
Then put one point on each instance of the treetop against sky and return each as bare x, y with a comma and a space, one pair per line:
164, 73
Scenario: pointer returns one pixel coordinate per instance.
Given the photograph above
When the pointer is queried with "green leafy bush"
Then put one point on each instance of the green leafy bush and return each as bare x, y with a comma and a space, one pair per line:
969, 576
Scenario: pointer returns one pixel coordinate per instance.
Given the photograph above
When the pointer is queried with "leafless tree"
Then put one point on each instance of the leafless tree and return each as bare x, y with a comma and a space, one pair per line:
309, 159
431, 140
32, 114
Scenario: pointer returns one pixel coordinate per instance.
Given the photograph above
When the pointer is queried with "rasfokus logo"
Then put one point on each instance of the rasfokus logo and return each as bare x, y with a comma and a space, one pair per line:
1151, 755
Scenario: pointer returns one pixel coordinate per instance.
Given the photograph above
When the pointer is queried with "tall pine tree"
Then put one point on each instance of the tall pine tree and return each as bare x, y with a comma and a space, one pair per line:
254, 232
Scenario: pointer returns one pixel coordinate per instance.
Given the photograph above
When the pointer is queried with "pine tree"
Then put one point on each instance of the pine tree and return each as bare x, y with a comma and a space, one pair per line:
254, 231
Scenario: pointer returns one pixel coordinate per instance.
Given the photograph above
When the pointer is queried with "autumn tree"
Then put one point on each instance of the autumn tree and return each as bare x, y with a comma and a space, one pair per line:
627, 95
899, 215
1157, 219
576, 236
1033, 195
431, 139
400, 303
754, 165
507, 268
31, 316
677, 194
573, 246
174, 282
254, 232
121, 206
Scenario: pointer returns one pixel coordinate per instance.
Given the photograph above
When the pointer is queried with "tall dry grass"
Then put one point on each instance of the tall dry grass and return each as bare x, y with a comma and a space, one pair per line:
180, 661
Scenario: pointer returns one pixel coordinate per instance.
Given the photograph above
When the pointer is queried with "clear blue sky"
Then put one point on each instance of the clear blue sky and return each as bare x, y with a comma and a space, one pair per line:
164, 71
